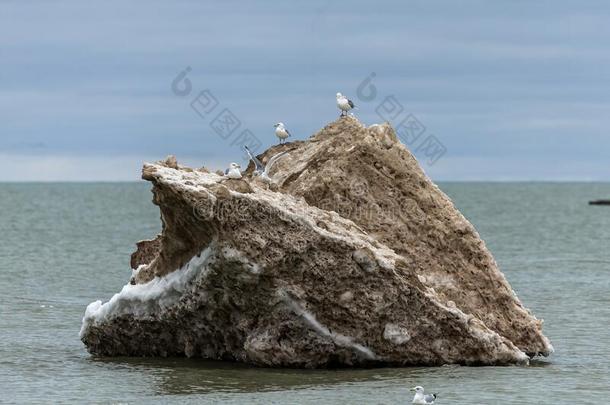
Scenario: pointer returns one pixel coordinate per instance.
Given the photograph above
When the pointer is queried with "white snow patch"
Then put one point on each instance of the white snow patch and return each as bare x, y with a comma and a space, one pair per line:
441, 281
145, 299
346, 296
385, 258
396, 334
198, 181
134, 272
234, 254
337, 338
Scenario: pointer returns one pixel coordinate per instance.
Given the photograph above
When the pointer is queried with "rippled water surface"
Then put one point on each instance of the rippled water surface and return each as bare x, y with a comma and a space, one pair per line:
65, 245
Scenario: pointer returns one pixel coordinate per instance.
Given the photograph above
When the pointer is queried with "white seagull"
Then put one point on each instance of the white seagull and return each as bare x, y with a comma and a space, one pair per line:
261, 170
281, 131
344, 104
422, 399
233, 171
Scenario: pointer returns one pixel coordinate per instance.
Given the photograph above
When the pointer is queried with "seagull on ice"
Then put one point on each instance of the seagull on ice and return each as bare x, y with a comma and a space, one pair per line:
281, 131
233, 171
422, 399
262, 170
344, 104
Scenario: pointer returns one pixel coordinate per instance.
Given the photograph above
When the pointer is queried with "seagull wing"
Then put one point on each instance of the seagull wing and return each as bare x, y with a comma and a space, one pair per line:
226, 171
272, 161
430, 398
351, 103
288, 132
258, 166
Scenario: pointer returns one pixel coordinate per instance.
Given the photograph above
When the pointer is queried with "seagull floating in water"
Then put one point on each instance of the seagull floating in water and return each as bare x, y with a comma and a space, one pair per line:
262, 170
233, 171
344, 104
281, 131
422, 399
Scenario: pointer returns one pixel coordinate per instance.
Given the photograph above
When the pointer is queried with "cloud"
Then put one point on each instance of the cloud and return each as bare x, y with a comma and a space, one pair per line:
489, 79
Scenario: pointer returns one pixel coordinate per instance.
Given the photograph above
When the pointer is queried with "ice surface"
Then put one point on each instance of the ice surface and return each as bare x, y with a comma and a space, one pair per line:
145, 299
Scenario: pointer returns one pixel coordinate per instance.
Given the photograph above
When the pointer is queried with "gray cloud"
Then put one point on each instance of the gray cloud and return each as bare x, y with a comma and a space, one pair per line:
511, 82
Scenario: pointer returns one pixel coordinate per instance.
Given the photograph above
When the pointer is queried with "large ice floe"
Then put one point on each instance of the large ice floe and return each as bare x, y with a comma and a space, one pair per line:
351, 257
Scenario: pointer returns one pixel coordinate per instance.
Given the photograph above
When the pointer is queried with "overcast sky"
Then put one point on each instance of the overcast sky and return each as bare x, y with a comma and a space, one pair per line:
514, 90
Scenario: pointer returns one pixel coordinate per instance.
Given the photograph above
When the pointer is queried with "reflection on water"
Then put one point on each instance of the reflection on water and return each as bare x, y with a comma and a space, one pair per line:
187, 376
229, 382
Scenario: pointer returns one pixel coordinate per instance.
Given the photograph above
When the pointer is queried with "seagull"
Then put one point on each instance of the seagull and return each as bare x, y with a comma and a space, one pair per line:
233, 171
344, 103
262, 170
281, 131
420, 398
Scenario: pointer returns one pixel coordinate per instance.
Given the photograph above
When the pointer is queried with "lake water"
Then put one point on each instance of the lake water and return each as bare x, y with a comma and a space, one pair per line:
65, 245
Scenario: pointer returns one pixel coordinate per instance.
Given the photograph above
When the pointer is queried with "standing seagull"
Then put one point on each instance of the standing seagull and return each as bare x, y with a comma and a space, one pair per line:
262, 170
344, 104
281, 131
233, 171
420, 398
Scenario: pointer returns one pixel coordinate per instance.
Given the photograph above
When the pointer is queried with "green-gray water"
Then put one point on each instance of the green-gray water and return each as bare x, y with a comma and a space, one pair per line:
65, 245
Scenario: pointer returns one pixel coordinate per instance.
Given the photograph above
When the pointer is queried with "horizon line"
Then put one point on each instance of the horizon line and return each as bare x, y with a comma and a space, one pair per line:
553, 181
